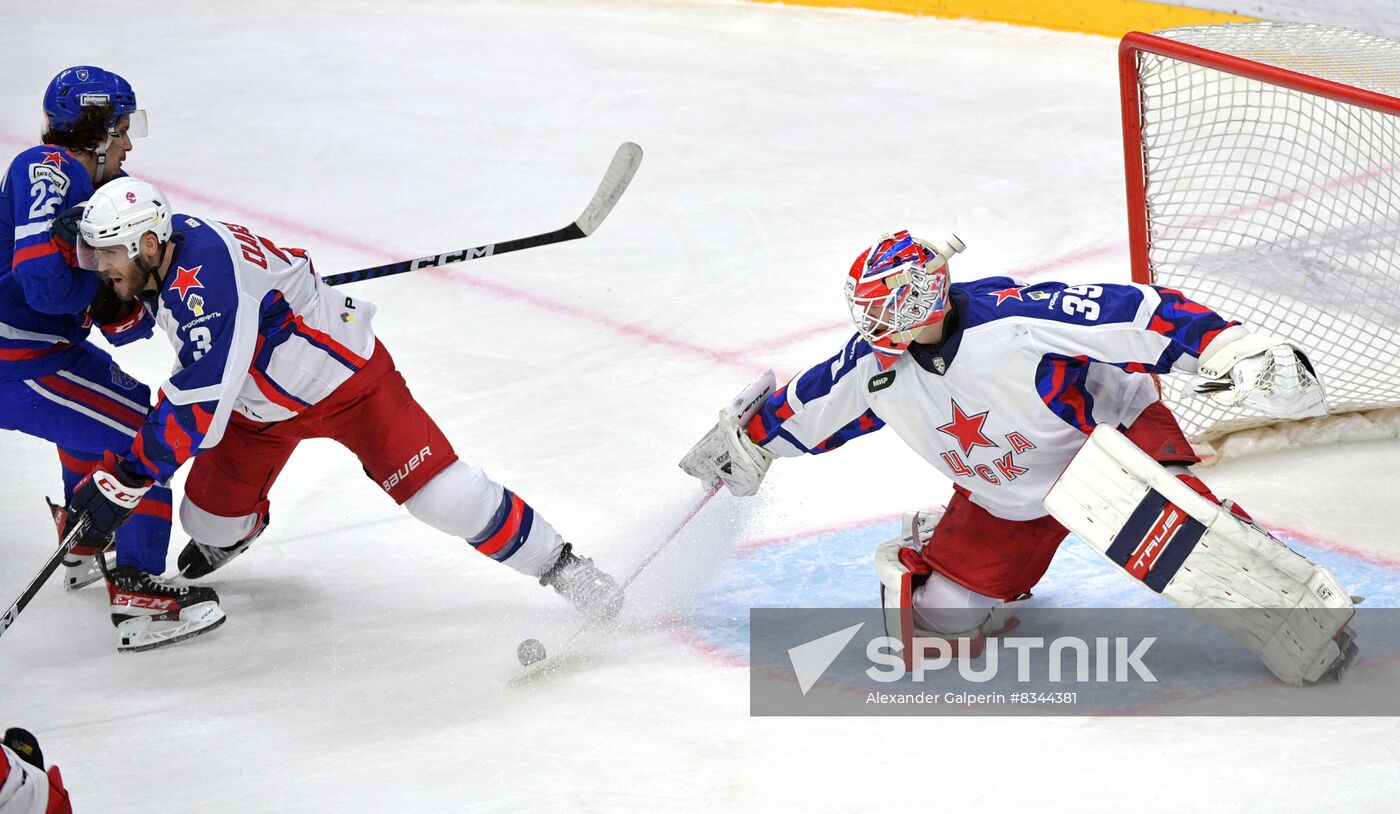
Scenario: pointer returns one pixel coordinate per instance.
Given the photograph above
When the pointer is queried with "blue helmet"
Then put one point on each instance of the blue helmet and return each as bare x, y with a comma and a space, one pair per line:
82, 85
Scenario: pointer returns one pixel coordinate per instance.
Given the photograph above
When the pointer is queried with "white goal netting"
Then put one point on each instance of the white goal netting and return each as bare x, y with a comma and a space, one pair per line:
1278, 206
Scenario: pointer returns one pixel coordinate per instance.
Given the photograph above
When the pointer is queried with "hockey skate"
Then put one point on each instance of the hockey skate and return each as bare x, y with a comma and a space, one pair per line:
80, 565
150, 611
199, 560
578, 580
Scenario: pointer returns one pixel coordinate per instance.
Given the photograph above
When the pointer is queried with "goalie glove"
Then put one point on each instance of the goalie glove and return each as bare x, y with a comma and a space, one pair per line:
726, 453
1261, 372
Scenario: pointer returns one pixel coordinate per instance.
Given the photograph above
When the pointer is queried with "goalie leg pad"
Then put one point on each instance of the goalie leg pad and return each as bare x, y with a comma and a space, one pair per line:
920, 603
1200, 556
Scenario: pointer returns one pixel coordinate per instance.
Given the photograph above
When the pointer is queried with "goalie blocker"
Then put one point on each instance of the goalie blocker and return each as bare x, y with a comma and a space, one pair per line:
1198, 555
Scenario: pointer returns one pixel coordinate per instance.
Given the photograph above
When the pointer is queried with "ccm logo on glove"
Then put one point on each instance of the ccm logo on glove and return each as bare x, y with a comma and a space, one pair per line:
116, 491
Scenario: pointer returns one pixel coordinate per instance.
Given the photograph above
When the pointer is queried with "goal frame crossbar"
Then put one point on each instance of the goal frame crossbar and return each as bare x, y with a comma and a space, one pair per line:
1135, 169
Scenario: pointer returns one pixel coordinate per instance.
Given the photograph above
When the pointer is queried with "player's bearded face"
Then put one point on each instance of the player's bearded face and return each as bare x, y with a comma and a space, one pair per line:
127, 278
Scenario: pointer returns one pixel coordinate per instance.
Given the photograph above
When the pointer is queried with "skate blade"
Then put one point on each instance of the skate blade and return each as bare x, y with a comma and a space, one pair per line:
203, 567
138, 635
82, 574
1346, 644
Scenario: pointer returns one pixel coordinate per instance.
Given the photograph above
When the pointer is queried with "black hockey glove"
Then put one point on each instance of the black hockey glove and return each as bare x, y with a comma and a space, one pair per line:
63, 233
107, 497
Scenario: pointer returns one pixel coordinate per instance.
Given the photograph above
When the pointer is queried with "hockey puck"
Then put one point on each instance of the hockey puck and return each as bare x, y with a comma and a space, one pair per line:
530, 651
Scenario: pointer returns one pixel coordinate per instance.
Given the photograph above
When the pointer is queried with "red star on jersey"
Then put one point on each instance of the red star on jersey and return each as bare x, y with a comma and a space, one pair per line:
55, 158
186, 280
967, 429
1007, 294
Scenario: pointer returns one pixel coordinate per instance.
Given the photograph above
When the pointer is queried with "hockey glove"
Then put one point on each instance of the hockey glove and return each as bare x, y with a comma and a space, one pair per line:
726, 453
1261, 372
107, 497
121, 322
139, 324
63, 234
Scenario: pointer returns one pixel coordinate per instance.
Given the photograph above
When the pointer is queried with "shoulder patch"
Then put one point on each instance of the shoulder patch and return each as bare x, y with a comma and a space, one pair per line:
880, 381
51, 174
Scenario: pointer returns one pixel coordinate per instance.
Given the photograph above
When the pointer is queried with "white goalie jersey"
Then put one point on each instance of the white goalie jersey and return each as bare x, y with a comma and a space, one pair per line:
1002, 405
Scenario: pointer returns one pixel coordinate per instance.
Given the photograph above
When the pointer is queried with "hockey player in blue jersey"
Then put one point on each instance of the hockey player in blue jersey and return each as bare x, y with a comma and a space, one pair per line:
54, 383
269, 356
1010, 390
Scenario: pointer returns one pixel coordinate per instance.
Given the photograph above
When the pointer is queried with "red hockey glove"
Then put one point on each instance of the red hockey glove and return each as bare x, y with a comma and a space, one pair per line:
139, 324
121, 322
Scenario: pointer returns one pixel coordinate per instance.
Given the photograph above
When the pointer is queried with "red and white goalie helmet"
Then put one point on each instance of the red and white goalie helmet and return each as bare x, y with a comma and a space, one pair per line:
896, 288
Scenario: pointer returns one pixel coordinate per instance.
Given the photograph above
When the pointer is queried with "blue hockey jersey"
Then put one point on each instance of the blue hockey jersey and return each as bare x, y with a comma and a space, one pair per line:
42, 299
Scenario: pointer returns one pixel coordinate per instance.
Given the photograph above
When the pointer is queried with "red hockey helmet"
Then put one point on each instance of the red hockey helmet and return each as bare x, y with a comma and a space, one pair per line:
896, 288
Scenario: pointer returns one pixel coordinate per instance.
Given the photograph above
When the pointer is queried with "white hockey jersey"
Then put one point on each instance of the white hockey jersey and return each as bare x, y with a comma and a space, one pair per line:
1024, 373
256, 332
24, 789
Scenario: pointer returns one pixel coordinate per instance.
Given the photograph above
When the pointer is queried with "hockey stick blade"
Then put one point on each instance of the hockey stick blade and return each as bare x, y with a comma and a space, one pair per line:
567, 652
43, 576
624, 165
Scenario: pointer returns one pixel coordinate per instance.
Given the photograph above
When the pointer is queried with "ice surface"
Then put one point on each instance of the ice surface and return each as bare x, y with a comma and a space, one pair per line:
364, 663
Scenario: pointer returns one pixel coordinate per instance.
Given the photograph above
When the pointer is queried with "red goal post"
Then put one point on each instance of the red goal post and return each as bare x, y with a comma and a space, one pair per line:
1262, 164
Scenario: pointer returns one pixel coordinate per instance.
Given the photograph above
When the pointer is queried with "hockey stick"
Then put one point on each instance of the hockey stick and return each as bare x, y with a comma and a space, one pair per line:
549, 662
44, 573
624, 165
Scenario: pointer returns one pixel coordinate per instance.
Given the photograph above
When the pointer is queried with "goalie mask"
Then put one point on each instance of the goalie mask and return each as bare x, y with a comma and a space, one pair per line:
896, 288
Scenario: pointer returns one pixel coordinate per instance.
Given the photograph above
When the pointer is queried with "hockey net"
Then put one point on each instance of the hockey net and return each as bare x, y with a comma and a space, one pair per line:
1263, 167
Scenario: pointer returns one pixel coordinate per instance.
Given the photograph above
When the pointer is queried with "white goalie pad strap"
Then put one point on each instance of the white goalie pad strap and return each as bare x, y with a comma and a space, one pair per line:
1261, 372
726, 453
918, 526
1198, 555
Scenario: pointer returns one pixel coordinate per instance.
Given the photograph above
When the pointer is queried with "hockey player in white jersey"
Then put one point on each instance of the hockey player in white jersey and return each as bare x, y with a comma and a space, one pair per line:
270, 356
1000, 385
